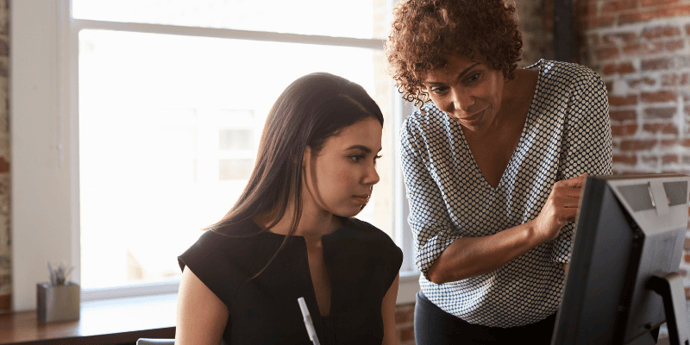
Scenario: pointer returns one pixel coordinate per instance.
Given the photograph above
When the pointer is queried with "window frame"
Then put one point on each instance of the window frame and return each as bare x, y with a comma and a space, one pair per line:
45, 144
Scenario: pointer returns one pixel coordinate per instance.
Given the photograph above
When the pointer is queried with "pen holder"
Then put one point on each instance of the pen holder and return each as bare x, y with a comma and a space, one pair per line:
57, 302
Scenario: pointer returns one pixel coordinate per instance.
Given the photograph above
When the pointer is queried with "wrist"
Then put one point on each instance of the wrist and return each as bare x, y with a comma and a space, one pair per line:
535, 235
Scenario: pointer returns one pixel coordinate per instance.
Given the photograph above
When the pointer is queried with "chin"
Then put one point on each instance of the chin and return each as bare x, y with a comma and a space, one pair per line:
349, 213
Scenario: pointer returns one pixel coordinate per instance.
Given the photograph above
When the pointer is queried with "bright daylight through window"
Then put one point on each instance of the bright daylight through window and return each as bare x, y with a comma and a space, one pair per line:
169, 124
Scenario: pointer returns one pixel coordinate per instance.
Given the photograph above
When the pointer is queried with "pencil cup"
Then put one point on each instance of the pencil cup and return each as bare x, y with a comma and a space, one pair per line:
57, 302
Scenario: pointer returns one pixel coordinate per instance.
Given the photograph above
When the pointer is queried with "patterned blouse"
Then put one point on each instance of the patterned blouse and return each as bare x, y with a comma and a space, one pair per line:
567, 133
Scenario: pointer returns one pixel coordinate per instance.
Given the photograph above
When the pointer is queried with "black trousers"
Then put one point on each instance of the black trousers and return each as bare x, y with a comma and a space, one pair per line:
433, 326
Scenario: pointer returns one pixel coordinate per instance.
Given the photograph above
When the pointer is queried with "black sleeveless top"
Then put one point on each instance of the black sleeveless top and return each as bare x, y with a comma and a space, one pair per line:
361, 260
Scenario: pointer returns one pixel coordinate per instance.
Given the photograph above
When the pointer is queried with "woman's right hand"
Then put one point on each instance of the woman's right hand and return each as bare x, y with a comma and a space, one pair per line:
560, 208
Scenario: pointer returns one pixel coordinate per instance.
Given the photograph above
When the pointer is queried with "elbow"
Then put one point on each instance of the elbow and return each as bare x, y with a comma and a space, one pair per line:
435, 275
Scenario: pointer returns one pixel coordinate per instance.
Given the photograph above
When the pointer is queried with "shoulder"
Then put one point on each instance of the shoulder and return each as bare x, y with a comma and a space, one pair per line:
224, 249
220, 259
424, 129
237, 236
371, 238
424, 120
568, 75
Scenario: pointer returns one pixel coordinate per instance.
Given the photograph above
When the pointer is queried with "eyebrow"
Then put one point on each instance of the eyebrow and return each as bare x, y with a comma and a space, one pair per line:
460, 75
361, 147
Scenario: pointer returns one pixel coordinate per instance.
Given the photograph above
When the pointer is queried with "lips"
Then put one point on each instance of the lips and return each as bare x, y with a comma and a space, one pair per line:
475, 117
472, 120
361, 199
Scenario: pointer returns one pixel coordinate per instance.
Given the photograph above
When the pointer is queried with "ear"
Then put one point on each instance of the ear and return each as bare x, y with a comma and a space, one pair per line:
306, 158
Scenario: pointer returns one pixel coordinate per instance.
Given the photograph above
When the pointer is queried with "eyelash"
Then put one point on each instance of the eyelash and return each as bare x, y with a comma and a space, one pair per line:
356, 158
440, 90
474, 77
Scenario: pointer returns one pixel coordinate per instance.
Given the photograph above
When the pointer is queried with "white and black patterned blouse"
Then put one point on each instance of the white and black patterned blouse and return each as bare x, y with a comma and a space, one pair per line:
567, 133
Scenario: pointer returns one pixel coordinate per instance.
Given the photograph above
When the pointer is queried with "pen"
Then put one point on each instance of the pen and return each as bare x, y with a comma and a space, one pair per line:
307, 321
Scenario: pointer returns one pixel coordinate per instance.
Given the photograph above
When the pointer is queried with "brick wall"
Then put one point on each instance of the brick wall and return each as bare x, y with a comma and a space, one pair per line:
642, 50
5, 240
404, 319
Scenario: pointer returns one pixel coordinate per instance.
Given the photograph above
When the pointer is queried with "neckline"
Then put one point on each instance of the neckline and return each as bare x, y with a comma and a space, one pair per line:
528, 119
260, 231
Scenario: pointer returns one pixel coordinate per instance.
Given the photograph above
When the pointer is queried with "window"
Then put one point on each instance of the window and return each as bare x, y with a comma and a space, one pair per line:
157, 114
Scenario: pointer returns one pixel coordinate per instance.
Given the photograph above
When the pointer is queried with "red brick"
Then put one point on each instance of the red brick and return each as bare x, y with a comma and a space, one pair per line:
616, 6
675, 79
637, 145
586, 9
406, 334
664, 128
687, 293
621, 101
404, 316
4, 165
687, 29
685, 142
668, 142
660, 31
654, 13
616, 68
622, 115
597, 22
659, 113
669, 159
625, 159
684, 79
623, 130
686, 243
675, 45
651, 3
658, 96
607, 53
656, 64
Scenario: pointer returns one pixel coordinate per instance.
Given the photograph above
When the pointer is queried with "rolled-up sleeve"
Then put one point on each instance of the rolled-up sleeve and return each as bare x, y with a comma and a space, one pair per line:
431, 225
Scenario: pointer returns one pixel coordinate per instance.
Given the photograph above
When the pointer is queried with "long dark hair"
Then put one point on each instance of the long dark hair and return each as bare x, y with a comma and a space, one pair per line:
310, 110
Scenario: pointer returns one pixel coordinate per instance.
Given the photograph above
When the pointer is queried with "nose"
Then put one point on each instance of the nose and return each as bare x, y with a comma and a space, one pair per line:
372, 176
461, 100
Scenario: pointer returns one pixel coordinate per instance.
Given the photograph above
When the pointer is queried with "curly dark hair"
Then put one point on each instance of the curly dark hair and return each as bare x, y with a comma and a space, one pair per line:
425, 32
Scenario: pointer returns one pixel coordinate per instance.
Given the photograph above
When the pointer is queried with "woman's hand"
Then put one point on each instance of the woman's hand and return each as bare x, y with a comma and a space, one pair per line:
560, 208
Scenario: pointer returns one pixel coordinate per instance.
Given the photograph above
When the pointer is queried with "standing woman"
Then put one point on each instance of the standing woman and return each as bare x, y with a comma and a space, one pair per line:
493, 162
291, 233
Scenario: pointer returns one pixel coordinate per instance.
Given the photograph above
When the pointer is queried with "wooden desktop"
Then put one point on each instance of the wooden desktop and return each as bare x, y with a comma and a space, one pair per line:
116, 321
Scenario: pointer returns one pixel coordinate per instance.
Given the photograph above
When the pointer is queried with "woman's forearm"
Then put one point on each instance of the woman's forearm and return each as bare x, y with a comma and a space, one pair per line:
470, 256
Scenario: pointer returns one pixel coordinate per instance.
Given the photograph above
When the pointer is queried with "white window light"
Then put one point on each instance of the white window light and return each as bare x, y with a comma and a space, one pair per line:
47, 213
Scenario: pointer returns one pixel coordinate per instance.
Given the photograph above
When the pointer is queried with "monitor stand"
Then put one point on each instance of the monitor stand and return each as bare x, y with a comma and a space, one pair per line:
670, 287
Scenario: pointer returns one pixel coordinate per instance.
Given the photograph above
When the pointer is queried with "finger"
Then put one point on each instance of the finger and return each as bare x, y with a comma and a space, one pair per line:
575, 182
568, 214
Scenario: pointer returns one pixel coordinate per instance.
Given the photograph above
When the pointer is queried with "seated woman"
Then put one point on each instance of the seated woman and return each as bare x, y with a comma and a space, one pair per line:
291, 233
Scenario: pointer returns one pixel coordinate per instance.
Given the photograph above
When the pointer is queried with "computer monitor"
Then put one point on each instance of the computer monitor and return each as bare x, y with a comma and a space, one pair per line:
622, 282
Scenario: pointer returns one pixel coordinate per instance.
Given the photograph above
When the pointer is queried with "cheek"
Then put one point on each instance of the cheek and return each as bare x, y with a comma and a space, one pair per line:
440, 103
333, 178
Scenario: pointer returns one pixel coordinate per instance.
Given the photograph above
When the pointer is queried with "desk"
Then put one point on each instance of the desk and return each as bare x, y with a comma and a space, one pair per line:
116, 321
